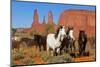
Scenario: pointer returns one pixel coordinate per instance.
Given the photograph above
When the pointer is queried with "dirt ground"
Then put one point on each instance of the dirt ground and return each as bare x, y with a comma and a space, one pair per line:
38, 59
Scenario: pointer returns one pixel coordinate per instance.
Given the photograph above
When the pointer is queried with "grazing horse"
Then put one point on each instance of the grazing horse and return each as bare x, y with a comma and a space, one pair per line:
15, 42
28, 41
68, 42
54, 40
82, 40
40, 41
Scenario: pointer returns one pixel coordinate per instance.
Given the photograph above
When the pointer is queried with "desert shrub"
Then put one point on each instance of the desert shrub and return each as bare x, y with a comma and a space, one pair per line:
31, 53
27, 60
56, 59
22, 51
60, 59
17, 55
68, 58
25, 55
44, 56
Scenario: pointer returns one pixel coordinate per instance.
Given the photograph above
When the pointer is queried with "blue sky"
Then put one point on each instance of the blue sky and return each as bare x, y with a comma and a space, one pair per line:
22, 12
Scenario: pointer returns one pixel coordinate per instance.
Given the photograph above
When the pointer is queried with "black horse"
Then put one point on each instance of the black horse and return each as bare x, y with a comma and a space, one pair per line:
37, 40
40, 41
82, 40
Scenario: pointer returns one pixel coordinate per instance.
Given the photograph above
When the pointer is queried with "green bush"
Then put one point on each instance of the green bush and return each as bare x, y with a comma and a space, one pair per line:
27, 60
17, 55
68, 58
44, 56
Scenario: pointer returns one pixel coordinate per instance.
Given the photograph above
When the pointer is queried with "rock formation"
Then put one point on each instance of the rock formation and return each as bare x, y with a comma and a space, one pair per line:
50, 18
80, 20
35, 18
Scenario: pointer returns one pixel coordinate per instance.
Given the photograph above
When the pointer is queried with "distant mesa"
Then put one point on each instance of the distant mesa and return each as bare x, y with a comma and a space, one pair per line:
79, 19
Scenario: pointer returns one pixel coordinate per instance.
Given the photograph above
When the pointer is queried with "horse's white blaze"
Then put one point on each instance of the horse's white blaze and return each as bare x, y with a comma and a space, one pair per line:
71, 34
16, 38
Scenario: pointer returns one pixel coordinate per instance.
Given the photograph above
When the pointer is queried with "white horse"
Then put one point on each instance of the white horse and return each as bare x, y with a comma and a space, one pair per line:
54, 40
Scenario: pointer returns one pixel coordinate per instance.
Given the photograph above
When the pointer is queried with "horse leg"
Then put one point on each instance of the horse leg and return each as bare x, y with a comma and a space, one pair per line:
55, 52
47, 50
84, 48
71, 47
66, 49
74, 46
61, 49
39, 47
74, 49
80, 49
44, 47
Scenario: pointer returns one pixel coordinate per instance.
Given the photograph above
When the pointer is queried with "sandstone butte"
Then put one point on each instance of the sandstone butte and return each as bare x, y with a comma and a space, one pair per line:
79, 19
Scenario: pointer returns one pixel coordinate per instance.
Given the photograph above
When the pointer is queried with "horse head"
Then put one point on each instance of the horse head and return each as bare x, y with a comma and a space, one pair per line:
62, 33
70, 32
82, 34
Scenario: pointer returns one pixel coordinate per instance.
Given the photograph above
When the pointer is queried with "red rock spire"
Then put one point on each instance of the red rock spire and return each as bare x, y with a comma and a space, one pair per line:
44, 22
35, 18
50, 18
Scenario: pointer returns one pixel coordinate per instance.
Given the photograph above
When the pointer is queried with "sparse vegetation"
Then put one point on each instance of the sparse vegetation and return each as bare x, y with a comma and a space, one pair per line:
44, 56
50, 28
26, 55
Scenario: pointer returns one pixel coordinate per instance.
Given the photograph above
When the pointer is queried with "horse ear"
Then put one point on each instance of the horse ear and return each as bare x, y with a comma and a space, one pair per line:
61, 27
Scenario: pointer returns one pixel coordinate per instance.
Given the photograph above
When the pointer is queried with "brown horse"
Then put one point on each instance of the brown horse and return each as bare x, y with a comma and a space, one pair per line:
82, 41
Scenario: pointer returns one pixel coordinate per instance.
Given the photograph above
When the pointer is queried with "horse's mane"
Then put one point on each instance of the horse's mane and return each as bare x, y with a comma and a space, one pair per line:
57, 32
67, 32
69, 28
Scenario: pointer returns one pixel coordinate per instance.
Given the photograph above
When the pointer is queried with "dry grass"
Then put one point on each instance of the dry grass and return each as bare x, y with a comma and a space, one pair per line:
24, 55
29, 55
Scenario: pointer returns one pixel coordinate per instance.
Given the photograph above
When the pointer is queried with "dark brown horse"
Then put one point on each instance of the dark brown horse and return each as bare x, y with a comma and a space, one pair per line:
40, 41
82, 40
15, 42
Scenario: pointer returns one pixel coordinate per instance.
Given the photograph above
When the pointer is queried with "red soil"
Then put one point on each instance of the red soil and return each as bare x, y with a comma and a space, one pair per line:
38, 60
87, 58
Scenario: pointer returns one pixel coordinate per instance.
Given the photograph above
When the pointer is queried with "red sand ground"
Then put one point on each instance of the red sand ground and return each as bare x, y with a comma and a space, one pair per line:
38, 59
86, 58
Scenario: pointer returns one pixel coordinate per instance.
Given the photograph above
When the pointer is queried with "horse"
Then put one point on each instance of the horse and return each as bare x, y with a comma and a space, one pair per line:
71, 38
40, 41
82, 41
15, 42
37, 40
68, 42
54, 40
28, 41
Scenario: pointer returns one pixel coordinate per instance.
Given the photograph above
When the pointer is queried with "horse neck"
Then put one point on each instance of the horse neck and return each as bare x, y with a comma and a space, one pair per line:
71, 34
58, 38
83, 36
